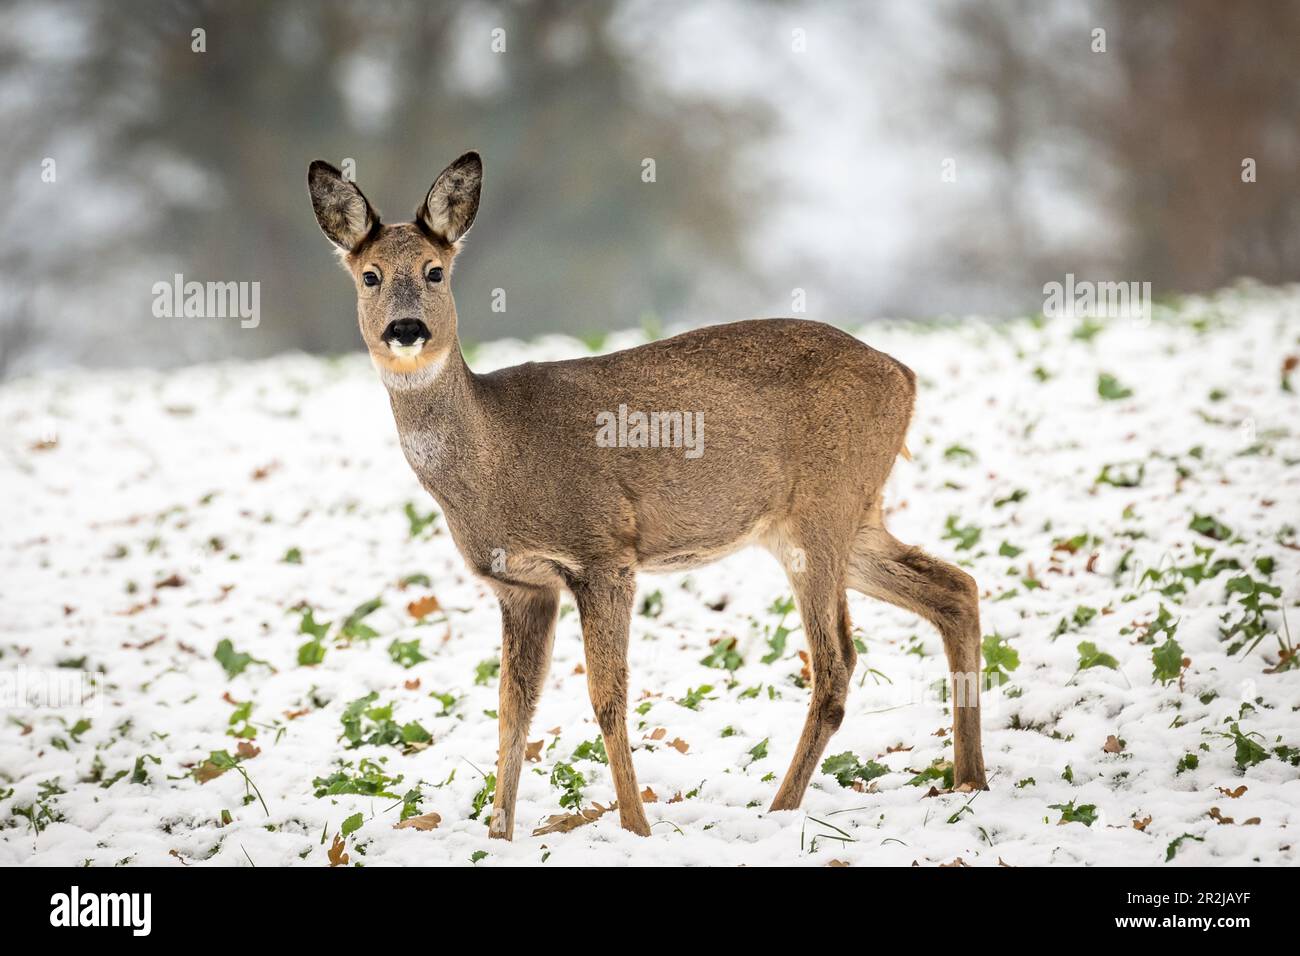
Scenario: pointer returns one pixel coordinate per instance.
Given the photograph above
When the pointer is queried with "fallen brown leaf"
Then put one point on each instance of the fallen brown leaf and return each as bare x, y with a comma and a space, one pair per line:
246, 750
1234, 794
1112, 745
425, 821
413, 684
335, 853
1218, 817
659, 733
837, 863
1142, 824
649, 796
423, 607
533, 750
679, 745
957, 862
564, 822
171, 581
208, 771
178, 856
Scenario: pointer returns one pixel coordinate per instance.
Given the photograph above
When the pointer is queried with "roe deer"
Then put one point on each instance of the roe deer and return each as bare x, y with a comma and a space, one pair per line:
803, 425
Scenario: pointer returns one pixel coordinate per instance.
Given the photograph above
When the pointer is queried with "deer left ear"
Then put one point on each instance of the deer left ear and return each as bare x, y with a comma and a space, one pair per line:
449, 209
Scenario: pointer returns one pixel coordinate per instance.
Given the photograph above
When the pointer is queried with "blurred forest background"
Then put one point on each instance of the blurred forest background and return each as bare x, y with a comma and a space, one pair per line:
797, 145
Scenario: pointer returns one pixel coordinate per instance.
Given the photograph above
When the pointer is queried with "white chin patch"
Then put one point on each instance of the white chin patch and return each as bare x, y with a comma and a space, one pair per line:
406, 351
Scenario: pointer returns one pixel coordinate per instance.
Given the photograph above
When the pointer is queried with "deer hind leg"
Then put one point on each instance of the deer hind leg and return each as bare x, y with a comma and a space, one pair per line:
817, 581
882, 567
605, 606
528, 634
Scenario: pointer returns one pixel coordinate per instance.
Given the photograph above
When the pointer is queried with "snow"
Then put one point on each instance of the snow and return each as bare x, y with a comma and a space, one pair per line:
208, 476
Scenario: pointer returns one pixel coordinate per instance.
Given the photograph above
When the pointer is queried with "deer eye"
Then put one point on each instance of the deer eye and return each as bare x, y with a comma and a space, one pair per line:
370, 278
435, 274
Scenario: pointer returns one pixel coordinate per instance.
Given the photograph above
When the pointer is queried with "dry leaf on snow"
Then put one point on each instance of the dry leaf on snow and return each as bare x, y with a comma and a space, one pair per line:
564, 822
423, 607
336, 854
425, 821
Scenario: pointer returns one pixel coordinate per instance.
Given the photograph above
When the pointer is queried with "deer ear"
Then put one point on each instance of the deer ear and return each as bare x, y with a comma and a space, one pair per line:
344, 214
448, 211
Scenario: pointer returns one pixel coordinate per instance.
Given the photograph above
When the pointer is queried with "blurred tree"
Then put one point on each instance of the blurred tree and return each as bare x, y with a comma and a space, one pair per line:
214, 146
1153, 131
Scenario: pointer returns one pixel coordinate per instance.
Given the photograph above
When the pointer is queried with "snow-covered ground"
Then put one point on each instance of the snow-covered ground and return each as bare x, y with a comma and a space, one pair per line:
147, 519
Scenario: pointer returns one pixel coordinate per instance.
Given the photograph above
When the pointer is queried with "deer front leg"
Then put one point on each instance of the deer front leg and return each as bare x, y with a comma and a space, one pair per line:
605, 606
527, 635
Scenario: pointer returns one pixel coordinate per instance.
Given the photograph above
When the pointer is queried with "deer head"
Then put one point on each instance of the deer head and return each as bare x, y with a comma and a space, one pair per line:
402, 272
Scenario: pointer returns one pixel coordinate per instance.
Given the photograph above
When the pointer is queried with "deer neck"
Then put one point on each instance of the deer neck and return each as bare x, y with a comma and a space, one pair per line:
441, 423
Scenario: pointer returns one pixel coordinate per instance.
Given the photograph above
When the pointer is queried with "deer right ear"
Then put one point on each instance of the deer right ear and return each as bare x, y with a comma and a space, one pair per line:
344, 214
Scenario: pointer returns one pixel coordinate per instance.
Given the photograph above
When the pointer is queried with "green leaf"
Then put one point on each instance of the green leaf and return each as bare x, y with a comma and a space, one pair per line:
483, 798
233, 661
653, 604
966, 537
368, 780
406, 653
311, 654
309, 625
940, 770
487, 671
1248, 751
722, 655
999, 657
416, 521
354, 626
1110, 389
592, 750
1090, 656
846, 768
694, 696
1168, 660
1211, 527
1084, 813
570, 782
1174, 844
351, 824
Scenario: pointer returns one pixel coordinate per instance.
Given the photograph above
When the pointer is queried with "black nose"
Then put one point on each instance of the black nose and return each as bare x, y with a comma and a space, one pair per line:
406, 331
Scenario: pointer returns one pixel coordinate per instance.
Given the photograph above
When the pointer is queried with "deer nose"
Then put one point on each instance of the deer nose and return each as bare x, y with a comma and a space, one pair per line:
406, 331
